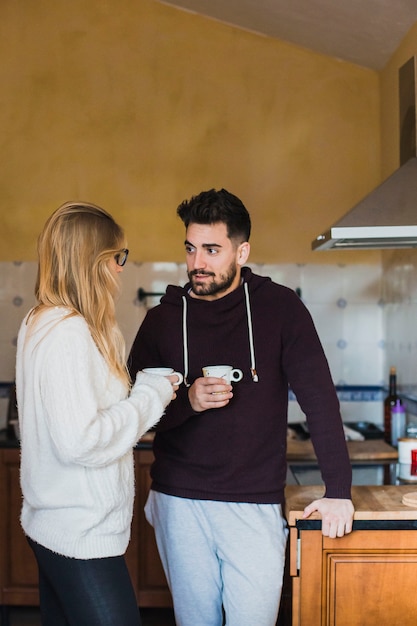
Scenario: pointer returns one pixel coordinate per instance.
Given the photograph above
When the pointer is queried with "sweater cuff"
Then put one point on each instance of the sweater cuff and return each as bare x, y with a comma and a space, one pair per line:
160, 383
344, 493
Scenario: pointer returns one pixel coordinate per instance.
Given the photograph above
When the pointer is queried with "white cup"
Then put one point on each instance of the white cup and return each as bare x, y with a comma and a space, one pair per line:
227, 372
407, 472
164, 371
407, 451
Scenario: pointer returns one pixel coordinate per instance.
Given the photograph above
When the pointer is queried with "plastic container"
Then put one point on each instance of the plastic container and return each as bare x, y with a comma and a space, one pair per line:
398, 423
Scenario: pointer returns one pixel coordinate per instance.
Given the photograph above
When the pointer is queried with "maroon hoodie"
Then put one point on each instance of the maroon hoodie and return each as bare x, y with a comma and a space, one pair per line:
238, 453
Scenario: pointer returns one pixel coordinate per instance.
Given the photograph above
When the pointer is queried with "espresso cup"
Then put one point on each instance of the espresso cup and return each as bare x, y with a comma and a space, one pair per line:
164, 371
227, 372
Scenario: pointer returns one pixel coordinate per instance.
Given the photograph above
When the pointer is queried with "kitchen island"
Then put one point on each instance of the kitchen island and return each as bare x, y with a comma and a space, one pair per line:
367, 578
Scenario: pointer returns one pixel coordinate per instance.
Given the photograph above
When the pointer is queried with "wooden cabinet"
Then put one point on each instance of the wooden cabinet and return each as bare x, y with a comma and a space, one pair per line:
18, 569
142, 555
366, 578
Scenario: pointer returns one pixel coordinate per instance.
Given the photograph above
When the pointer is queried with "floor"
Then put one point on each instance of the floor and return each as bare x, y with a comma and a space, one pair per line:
26, 616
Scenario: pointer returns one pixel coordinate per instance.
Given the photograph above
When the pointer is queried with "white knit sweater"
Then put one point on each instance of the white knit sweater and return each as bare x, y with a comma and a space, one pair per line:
78, 430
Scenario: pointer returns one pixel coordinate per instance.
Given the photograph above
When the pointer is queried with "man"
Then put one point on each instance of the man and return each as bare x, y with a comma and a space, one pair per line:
220, 450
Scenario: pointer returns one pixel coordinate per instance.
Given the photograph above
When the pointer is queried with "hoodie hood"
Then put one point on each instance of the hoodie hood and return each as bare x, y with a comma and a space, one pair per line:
180, 296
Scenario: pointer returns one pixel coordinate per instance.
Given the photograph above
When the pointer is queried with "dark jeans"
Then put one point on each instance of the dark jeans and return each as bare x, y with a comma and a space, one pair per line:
93, 592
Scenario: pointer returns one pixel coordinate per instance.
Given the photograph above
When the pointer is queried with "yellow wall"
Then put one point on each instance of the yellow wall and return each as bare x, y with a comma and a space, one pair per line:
136, 105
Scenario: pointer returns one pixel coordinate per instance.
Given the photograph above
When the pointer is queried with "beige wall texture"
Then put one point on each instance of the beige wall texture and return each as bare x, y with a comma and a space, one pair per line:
136, 105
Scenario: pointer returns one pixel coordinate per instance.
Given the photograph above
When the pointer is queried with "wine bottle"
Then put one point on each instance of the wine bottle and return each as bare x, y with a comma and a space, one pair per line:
389, 402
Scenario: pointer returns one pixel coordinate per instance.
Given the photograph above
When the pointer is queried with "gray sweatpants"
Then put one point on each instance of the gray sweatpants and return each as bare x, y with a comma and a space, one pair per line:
220, 554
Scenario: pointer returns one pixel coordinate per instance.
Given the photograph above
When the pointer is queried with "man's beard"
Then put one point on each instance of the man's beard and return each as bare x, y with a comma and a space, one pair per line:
212, 288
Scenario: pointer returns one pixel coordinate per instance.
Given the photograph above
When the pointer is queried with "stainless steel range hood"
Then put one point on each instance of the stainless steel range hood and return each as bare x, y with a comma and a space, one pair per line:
387, 217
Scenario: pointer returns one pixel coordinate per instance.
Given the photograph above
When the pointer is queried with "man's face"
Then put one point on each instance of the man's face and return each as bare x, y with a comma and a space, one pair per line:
213, 260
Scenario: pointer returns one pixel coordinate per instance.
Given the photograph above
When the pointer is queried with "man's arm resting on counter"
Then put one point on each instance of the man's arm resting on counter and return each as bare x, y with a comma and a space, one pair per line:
336, 515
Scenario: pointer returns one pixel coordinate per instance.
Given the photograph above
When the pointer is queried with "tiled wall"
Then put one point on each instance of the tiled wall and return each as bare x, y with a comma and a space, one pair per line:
17, 281
399, 290
366, 317
345, 303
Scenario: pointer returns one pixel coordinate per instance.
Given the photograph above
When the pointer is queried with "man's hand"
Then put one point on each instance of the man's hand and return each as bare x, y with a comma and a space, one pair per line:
209, 393
336, 515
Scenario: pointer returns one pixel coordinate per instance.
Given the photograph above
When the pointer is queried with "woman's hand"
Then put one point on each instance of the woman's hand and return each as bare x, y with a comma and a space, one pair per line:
173, 379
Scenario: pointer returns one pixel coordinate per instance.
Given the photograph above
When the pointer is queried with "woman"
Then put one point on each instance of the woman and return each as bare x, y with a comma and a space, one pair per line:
79, 423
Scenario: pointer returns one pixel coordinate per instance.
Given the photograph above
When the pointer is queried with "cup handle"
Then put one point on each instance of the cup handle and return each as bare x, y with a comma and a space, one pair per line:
236, 375
180, 377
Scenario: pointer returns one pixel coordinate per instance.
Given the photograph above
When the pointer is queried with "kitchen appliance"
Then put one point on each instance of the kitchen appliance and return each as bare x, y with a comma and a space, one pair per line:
387, 217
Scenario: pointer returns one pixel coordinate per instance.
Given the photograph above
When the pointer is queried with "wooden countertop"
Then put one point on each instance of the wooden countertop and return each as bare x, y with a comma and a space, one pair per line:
368, 450
302, 450
371, 503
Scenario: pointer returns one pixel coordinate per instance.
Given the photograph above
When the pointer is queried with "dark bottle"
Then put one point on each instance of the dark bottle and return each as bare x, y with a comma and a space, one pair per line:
390, 402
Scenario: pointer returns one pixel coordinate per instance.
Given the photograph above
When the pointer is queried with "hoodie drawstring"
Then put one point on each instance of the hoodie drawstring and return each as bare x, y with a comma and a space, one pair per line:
185, 339
250, 329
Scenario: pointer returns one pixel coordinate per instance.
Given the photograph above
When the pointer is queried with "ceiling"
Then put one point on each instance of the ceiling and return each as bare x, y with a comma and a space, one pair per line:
364, 32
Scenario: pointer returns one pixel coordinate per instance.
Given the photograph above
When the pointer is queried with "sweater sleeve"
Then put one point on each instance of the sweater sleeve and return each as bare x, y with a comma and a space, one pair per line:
309, 377
89, 417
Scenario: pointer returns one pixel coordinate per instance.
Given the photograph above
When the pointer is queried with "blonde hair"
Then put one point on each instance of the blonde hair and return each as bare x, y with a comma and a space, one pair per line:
74, 249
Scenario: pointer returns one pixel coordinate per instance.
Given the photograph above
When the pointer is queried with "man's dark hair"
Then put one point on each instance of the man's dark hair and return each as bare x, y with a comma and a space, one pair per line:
211, 207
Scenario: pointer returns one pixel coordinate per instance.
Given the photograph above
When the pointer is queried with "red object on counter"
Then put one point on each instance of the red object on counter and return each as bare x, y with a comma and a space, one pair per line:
413, 470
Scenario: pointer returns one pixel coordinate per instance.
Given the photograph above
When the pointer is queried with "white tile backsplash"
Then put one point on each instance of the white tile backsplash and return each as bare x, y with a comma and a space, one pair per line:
362, 284
322, 284
344, 301
362, 363
328, 320
363, 323
365, 315
399, 289
285, 274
